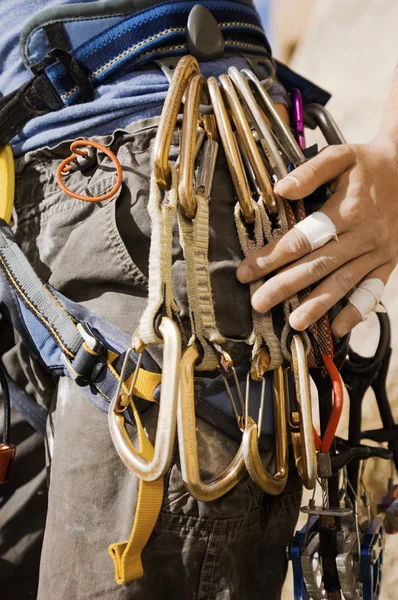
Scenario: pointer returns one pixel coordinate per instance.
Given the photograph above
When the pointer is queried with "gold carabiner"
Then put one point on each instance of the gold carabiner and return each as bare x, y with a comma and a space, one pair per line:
249, 144
186, 68
165, 432
231, 150
188, 443
270, 484
303, 442
196, 89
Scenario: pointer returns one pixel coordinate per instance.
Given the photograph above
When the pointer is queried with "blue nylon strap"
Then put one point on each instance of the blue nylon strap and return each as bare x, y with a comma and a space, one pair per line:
149, 34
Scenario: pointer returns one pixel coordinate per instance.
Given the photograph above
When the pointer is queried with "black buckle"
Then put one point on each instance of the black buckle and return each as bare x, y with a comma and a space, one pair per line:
80, 78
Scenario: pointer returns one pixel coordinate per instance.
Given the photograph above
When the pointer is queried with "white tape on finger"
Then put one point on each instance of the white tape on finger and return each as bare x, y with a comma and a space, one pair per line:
367, 295
318, 228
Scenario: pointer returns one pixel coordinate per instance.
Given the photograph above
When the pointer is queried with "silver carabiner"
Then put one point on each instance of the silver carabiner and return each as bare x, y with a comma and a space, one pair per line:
290, 145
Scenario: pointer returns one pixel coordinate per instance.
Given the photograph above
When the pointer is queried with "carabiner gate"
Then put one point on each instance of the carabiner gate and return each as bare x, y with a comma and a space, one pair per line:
270, 484
196, 88
303, 440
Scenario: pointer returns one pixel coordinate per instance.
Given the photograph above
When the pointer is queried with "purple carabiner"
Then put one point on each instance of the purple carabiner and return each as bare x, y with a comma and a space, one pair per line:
298, 117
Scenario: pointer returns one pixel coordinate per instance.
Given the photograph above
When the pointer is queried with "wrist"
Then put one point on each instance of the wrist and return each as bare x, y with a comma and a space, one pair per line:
386, 144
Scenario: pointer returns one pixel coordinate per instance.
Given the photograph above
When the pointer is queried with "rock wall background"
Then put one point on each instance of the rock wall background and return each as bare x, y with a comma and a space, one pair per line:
350, 47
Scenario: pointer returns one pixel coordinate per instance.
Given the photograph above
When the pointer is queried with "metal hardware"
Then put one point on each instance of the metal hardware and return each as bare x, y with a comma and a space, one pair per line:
372, 550
324, 465
326, 512
298, 117
207, 166
226, 369
186, 68
91, 341
303, 441
348, 568
165, 433
260, 124
205, 40
312, 570
281, 128
188, 444
271, 484
196, 88
255, 62
231, 150
317, 115
246, 138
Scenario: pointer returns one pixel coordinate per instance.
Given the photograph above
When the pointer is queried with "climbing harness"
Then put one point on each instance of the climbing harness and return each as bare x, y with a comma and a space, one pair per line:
340, 550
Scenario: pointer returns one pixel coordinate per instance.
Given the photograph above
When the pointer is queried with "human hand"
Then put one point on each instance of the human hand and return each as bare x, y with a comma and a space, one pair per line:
364, 210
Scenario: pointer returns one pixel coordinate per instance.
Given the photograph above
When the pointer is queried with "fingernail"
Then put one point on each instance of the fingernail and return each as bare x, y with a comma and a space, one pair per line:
300, 320
244, 274
286, 185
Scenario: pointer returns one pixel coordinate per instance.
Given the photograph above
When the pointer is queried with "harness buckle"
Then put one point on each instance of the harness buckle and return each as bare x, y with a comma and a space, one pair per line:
72, 67
94, 353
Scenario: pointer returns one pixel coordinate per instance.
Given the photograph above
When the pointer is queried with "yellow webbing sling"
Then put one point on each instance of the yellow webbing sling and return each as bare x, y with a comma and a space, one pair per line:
127, 555
7, 183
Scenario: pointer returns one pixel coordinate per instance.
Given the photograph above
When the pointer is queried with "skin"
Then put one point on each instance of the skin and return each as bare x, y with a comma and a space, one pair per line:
363, 179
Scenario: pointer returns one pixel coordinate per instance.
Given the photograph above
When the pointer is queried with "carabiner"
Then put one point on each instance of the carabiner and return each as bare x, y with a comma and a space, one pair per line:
280, 127
317, 115
323, 445
196, 88
260, 122
270, 484
188, 443
186, 68
165, 432
303, 440
249, 144
231, 150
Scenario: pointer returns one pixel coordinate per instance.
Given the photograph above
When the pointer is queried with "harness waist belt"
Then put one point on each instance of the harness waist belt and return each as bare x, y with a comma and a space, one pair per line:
88, 52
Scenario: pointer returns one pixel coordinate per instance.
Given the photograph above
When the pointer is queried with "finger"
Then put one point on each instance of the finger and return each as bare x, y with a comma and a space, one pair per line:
331, 290
305, 272
324, 167
349, 316
290, 247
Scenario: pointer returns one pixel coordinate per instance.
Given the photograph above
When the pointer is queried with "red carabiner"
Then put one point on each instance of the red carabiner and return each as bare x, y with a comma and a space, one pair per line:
323, 445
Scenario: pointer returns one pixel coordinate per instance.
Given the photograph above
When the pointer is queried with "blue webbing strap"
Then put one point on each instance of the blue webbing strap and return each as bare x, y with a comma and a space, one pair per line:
149, 34
66, 78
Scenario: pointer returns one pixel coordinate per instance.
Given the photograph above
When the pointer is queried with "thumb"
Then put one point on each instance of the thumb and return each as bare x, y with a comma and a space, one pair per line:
325, 167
